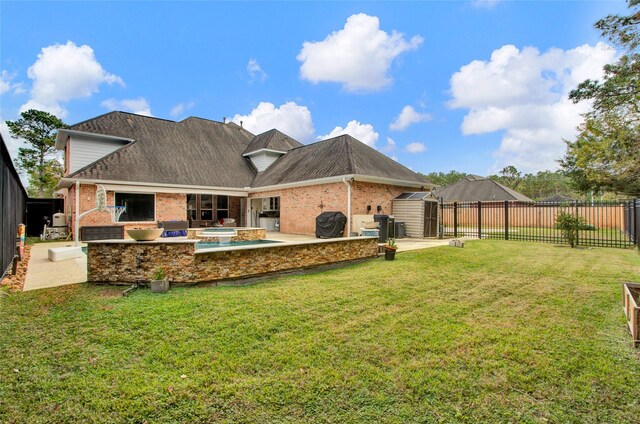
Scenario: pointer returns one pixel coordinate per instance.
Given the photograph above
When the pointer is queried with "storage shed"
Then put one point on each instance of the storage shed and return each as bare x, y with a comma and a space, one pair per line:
419, 212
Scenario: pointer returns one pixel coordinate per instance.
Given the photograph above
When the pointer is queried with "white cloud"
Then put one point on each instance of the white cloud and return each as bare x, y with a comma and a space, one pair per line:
6, 85
290, 118
525, 94
179, 109
358, 56
416, 147
391, 145
139, 106
363, 132
408, 116
65, 72
255, 71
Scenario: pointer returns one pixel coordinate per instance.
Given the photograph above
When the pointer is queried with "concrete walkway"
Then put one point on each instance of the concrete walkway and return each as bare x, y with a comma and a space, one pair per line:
42, 273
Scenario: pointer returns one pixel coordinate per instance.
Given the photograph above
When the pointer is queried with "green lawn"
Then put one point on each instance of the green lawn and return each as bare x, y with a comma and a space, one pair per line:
495, 332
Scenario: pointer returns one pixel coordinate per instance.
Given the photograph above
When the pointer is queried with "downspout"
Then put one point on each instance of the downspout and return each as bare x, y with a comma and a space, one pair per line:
348, 184
76, 235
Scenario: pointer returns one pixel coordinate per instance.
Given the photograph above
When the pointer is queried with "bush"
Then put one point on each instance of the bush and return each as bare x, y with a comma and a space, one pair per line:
570, 224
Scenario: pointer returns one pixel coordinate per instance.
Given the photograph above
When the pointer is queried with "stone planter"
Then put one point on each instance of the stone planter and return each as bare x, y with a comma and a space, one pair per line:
145, 234
159, 286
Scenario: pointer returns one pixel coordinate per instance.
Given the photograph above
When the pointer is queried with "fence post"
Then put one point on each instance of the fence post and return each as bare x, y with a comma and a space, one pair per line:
506, 220
455, 219
636, 218
577, 232
479, 219
441, 219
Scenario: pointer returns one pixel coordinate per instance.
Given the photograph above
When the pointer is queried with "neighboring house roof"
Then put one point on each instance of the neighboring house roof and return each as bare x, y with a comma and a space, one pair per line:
272, 140
473, 188
194, 151
342, 155
200, 152
557, 198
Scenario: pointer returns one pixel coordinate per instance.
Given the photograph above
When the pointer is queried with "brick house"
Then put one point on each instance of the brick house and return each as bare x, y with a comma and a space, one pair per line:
204, 171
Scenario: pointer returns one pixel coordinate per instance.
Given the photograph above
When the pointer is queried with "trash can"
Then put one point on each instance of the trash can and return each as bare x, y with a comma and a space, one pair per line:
384, 227
401, 229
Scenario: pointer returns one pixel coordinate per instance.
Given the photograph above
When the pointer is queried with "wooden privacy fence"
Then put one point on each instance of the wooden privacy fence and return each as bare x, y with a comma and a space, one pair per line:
611, 223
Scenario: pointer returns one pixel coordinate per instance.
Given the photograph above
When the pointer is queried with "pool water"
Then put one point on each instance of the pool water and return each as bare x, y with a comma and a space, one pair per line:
218, 230
213, 244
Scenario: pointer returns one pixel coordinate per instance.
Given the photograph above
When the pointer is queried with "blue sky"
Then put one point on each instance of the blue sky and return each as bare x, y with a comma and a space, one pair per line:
471, 86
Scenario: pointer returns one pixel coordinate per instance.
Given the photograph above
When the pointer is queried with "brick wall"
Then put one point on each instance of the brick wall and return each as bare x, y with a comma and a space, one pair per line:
169, 207
299, 206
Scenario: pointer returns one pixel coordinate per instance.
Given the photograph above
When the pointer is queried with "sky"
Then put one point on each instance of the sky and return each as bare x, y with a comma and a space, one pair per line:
471, 86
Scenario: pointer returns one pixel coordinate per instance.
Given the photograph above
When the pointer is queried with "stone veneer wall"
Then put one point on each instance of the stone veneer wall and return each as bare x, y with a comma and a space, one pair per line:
299, 206
130, 262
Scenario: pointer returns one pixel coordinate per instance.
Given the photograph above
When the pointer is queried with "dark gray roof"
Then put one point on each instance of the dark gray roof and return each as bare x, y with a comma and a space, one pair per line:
415, 195
194, 151
342, 155
272, 140
473, 188
557, 198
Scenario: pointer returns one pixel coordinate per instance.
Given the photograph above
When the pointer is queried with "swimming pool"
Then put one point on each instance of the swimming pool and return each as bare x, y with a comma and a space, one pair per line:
214, 244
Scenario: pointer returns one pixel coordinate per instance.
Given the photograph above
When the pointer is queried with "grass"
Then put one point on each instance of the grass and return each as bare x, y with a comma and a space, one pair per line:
495, 332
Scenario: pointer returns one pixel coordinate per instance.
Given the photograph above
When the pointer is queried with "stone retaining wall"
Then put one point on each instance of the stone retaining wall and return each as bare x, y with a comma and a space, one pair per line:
130, 262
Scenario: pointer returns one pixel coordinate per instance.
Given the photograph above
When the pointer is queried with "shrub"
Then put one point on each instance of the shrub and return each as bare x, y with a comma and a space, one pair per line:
570, 224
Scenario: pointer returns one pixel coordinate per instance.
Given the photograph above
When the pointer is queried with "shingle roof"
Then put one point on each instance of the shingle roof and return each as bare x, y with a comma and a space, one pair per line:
272, 140
342, 155
474, 188
194, 151
201, 152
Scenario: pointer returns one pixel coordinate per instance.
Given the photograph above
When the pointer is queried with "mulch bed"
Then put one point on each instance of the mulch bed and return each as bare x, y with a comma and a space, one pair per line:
16, 282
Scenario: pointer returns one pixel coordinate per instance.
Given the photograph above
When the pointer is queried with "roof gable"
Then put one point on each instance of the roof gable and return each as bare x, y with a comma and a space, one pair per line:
342, 155
272, 140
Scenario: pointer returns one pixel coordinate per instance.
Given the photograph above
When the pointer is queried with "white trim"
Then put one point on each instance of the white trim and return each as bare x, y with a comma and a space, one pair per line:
137, 187
264, 150
339, 179
62, 142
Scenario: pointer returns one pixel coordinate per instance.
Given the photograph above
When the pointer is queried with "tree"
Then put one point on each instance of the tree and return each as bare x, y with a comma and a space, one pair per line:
606, 153
39, 160
444, 179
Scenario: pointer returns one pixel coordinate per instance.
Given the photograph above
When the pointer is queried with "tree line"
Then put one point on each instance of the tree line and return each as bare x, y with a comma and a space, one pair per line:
536, 186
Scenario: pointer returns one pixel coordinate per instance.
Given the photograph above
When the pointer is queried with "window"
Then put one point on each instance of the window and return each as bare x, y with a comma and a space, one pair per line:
192, 206
139, 207
222, 207
206, 207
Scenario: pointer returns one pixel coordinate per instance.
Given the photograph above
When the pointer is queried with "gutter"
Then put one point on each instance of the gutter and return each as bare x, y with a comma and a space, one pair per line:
348, 184
339, 179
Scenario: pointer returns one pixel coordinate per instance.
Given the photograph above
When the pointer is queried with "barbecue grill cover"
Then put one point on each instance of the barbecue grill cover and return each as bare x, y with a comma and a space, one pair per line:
330, 224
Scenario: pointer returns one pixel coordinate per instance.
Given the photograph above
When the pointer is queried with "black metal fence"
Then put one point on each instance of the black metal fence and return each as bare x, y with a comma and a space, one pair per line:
632, 220
13, 199
610, 223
